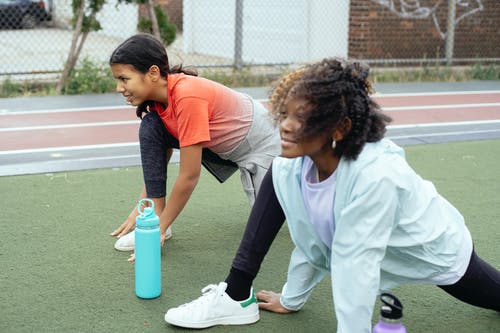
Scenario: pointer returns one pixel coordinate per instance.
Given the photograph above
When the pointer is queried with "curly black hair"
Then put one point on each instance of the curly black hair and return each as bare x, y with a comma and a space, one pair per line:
337, 90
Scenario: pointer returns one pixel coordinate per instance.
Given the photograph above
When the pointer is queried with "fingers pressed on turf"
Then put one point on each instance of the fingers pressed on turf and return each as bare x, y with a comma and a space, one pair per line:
116, 232
131, 258
264, 306
263, 295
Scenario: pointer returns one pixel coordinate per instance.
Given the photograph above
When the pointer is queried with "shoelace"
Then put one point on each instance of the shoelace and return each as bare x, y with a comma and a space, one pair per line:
207, 294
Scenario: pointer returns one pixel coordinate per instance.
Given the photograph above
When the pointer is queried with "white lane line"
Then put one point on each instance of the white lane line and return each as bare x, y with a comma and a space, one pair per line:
444, 106
49, 127
129, 122
133, 144
421, 135
439, 93
101, 158
69, 148
444, 124
4, 112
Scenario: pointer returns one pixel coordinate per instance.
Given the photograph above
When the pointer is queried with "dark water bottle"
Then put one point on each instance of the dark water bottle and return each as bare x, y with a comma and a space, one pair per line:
147, 252
391, 313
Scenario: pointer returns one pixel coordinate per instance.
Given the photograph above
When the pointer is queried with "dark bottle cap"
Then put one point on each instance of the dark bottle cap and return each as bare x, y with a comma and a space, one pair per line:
392, 307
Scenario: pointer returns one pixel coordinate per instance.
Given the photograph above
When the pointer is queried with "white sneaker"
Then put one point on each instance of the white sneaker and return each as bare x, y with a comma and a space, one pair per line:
214, 307
127, 242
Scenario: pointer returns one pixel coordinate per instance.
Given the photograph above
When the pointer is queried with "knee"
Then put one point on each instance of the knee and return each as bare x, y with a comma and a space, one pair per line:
151, 127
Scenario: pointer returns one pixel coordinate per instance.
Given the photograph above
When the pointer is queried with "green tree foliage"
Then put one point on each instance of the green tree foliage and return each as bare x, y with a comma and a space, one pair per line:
84, 21
167, 30
90, 78
149, 7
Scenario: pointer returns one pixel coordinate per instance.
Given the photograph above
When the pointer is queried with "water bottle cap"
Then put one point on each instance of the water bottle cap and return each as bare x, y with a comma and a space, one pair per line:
146, 217
392, 307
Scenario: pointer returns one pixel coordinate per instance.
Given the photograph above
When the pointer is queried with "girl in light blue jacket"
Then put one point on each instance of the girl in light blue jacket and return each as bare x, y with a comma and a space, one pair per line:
355, 210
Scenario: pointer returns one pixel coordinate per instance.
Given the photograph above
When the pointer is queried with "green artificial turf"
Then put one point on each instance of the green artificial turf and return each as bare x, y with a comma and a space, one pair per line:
59, 271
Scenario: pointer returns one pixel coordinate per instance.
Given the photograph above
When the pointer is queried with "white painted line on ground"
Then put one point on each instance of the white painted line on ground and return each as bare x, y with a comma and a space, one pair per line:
444, 106
130, 122
69, 148
102, 158
47, 127
456, 123
462, 133
134, 144
4, 112
437, 93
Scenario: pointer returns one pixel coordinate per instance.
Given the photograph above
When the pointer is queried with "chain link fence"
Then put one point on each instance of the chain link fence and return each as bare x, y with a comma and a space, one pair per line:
34, 43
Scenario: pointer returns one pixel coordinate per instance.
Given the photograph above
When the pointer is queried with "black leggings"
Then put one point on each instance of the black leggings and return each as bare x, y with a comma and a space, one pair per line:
155, 141
480, 285
266, 219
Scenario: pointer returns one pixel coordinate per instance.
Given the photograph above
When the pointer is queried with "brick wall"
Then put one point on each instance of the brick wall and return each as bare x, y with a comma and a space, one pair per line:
173, 9
379, 32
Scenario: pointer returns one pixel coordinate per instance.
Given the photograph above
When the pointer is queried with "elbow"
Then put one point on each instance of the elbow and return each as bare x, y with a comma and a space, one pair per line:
191, 180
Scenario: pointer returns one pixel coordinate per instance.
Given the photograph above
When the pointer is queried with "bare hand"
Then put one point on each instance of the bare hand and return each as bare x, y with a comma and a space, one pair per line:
131, 258
270, 301
163, 238
125, 228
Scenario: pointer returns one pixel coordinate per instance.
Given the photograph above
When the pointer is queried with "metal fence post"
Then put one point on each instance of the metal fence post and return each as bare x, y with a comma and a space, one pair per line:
450, 31
238, 35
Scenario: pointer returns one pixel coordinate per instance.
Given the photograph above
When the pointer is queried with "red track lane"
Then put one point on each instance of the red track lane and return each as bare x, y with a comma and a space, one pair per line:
67, 117
465, 107
441, 115
68, 137
438, 99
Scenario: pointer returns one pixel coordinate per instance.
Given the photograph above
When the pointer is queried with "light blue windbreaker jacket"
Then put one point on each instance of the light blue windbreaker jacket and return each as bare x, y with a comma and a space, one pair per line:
392, 227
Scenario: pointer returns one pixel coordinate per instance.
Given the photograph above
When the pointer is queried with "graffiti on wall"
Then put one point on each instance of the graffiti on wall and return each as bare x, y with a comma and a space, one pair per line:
413, 9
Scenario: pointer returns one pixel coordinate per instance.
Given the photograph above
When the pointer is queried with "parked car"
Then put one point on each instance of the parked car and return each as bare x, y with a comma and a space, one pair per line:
23, 14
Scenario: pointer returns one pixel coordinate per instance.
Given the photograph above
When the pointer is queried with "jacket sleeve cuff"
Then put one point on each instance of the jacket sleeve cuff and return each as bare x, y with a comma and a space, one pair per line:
291, 304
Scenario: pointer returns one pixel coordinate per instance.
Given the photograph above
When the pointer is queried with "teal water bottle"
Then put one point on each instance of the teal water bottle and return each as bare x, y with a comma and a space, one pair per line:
391, 313
147, 252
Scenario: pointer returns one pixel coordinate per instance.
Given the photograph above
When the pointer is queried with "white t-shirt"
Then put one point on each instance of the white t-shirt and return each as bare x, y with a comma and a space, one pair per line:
318, 199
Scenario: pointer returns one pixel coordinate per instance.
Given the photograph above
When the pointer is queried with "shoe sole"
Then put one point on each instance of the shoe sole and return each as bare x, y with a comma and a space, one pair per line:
243, 320
124, 248
131, 248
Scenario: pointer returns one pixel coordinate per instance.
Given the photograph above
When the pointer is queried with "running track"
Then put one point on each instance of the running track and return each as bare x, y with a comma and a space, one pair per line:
40, 141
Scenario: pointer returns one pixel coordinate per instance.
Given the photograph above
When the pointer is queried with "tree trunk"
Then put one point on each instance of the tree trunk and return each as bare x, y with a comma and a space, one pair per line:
73, 53
154, 21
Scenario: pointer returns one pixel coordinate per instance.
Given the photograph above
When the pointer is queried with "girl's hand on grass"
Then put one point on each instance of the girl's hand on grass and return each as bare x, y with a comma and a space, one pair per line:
270, 301
125, 228
163, 238
131, 258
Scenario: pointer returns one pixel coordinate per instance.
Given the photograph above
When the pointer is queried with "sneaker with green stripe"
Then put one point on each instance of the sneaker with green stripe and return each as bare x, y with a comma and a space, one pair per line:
214, 307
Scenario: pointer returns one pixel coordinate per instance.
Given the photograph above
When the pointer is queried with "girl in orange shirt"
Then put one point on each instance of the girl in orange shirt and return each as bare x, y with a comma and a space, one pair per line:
208, 122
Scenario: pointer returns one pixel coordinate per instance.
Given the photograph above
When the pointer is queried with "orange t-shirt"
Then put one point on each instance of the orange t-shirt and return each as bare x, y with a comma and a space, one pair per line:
200, 110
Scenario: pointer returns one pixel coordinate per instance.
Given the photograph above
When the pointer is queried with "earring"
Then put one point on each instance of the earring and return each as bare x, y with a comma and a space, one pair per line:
334, 144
